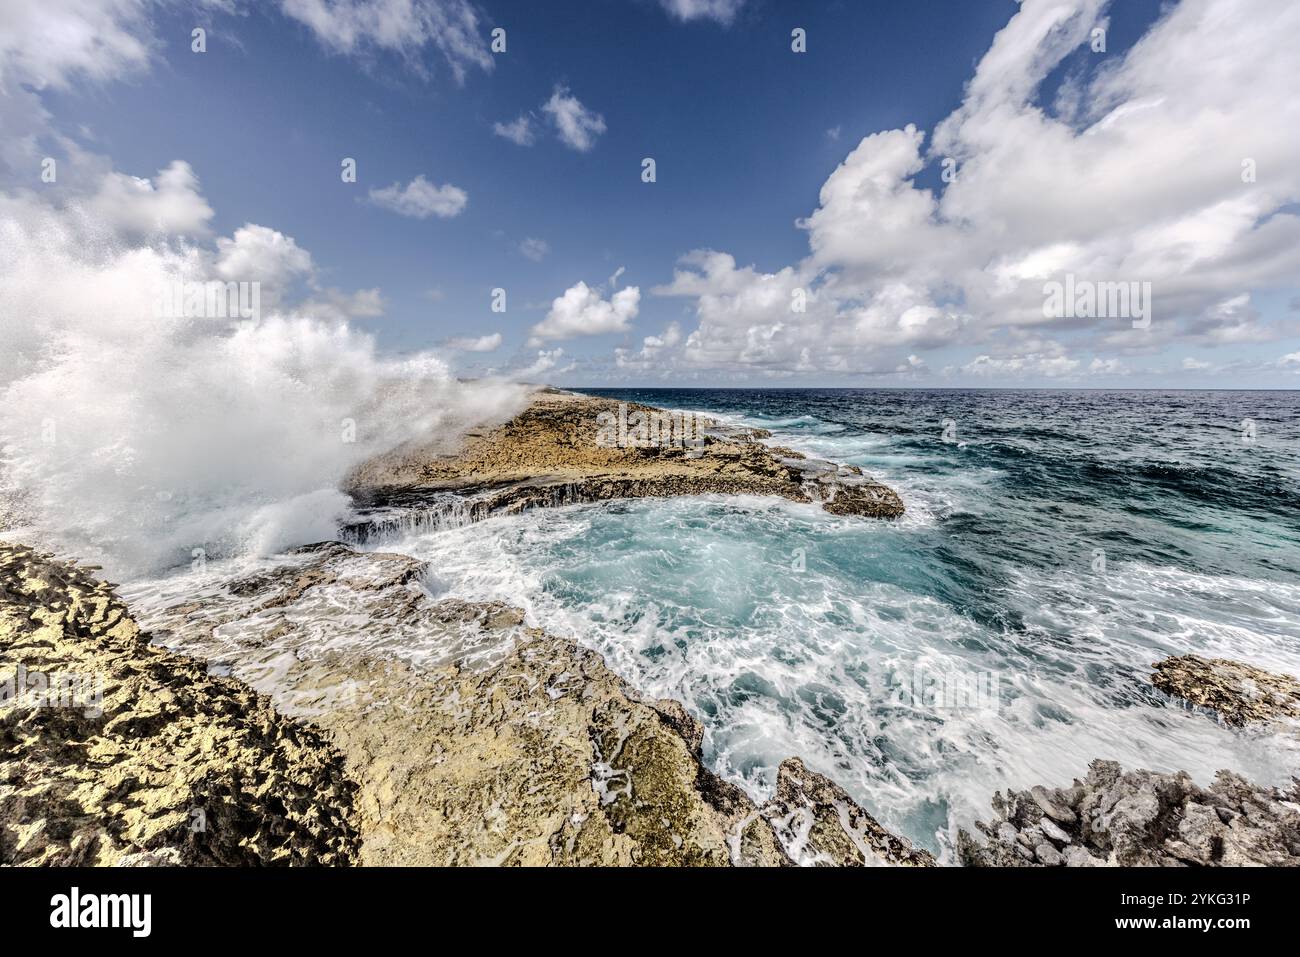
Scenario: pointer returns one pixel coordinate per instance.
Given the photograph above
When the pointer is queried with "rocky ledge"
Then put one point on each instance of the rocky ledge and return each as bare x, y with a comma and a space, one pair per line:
1141, 818
470, 738
565, 448
116, 752
1239, 694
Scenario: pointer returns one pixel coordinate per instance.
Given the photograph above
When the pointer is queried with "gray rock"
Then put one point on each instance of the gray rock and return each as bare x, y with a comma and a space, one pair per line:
1053, 832
1142, 818
1048, 855
1076, 856
1052, 807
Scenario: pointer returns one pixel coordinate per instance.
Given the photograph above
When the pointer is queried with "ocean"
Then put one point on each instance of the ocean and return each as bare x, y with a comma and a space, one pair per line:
1000, 634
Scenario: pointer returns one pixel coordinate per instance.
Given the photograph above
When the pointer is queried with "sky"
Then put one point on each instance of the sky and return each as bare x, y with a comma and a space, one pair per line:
887, 206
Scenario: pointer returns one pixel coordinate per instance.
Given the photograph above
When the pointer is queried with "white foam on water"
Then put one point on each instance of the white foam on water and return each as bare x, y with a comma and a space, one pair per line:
696, 599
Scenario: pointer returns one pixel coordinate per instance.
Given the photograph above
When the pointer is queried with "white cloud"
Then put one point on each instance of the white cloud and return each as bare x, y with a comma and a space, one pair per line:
582, 311
421, 199
546, 361
651, 346
170, 204
723, 11
1021, 367
339, 306
49, 43
535, 249
519, 131
261, 254
576, 125
480, 344
402, 27
1134, 175
1195, 365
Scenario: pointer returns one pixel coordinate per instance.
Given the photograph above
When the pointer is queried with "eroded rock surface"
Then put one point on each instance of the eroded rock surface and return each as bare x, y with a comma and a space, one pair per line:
551, 454
1140, 818
477, 740
113, 751
1238, 693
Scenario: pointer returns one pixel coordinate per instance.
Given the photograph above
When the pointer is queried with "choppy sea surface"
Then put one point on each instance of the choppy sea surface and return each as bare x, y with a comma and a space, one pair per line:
1055, 545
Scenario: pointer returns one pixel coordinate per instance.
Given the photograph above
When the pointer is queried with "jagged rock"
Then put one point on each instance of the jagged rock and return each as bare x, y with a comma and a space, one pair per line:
144, 759
474, 739
1048, 856
818, 823
1142, 818
1239, 693
550, 454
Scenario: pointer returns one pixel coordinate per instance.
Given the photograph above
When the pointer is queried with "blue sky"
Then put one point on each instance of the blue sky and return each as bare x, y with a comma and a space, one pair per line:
744, 133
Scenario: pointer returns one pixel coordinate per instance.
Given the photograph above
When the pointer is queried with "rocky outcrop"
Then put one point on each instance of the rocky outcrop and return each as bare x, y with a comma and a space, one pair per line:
1237, 693
118, 752
558, 451
474, 739
1140, 818
818, 823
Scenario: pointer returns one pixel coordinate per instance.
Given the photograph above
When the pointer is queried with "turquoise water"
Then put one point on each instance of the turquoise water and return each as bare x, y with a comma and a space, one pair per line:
1000, 634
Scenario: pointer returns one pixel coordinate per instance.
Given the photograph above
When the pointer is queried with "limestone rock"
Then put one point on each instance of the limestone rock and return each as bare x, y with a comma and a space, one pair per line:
550, 454
118, 752
1239, 693
473, 739
1142, 818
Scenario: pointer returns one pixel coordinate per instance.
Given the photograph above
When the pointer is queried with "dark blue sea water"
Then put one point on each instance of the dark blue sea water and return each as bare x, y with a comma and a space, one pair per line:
1056, 544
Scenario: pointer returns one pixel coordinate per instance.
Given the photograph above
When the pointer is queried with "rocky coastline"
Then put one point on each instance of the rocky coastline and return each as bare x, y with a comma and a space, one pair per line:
565, 449
325, 708
118, 752
521, 749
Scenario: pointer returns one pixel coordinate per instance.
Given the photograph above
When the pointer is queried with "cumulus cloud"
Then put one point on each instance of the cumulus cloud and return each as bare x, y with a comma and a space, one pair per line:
535, 249
547, 361
519, 131
339, 306
168, 204
1041, 191
260, 254
651, 346
723, 11
49, 43
582, 311
421, 199
475, 344
53, 45
401, 27
577, 126
1018, 367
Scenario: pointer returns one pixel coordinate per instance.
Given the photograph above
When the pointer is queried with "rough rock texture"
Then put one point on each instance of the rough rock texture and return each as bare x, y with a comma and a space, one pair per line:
1141, 818
145, 758
477, 740
821, 824
1239, 693
550, 454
